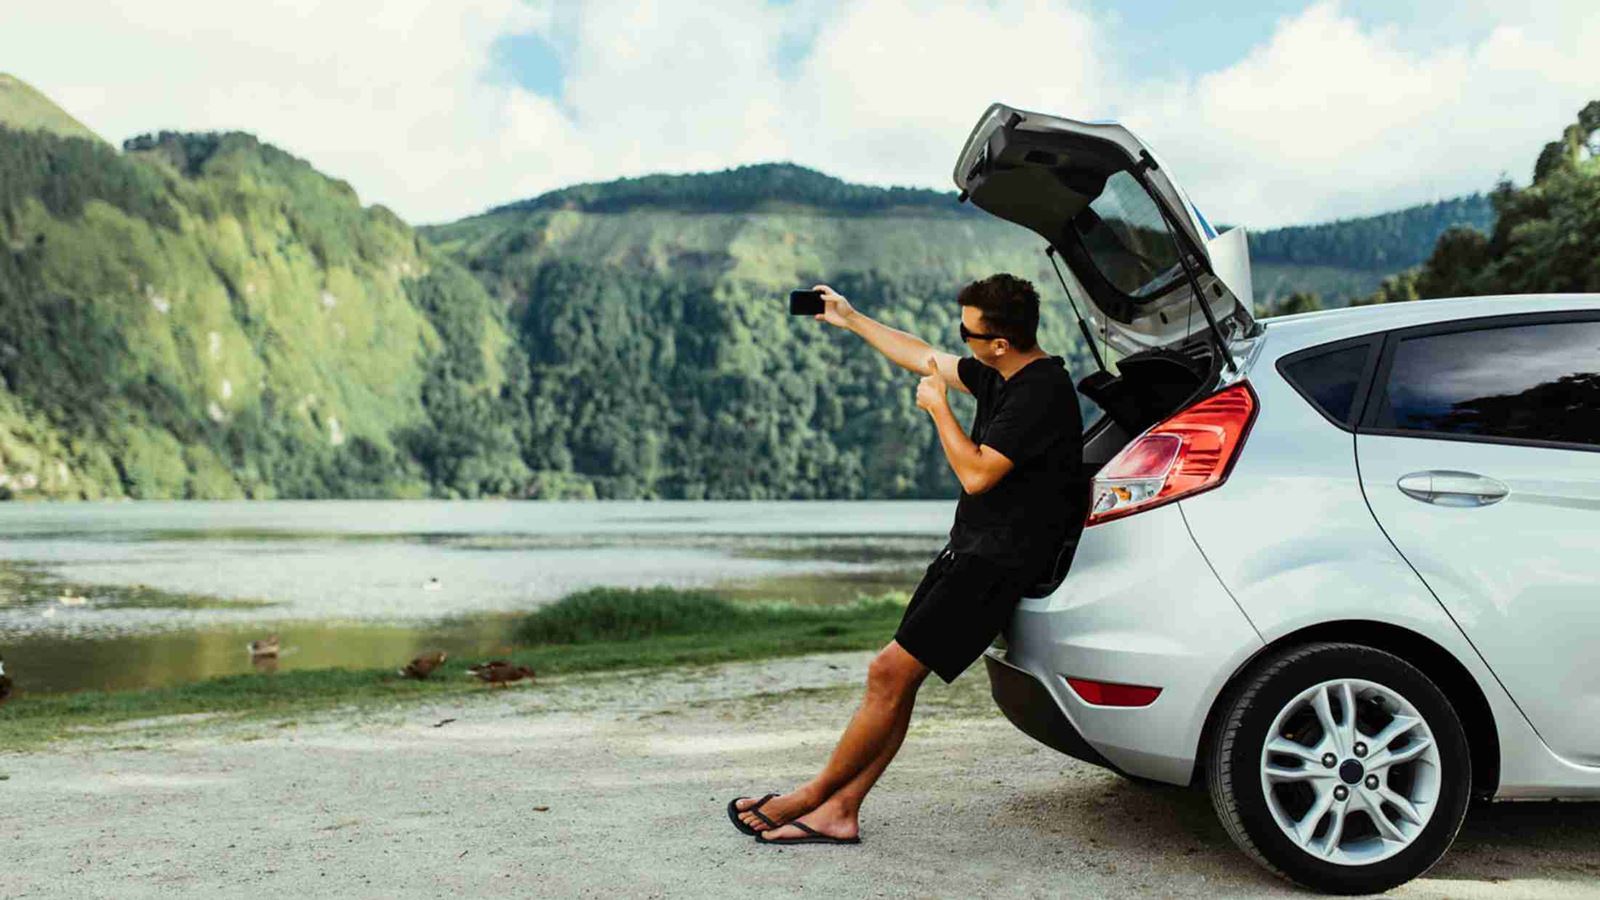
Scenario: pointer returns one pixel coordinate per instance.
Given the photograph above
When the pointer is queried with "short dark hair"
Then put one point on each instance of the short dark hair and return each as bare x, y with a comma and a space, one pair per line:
1010, 307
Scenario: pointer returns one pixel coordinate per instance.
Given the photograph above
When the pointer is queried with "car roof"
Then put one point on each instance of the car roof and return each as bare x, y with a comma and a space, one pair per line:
1286, 334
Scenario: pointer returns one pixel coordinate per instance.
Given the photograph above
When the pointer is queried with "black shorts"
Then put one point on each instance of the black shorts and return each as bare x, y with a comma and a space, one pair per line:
957, 610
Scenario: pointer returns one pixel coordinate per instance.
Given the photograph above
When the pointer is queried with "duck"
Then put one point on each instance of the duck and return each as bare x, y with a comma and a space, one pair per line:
498, 671
433, 584
67, 599
423, 666
268, 646
6, 684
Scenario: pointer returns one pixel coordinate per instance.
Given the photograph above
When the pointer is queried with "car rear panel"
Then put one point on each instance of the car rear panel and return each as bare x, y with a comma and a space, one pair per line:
1290, 534
1292, 539
1140, 606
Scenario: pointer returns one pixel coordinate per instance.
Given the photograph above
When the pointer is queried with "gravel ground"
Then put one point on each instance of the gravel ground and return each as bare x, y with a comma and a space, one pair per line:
634, 770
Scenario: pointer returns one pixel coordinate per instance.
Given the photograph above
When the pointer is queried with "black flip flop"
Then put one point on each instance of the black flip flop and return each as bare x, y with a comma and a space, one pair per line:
755, 809
813, 836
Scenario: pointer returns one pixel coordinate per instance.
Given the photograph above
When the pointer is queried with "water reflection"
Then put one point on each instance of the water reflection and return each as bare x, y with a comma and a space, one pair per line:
51, 665
44, 664
129, 595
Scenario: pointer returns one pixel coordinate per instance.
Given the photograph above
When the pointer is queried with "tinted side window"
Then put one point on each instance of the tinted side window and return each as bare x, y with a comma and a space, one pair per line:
1531, 382
1329, 380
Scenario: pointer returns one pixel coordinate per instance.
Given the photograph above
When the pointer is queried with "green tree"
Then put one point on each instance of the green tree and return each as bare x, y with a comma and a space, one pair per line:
1546, 237
1298, 302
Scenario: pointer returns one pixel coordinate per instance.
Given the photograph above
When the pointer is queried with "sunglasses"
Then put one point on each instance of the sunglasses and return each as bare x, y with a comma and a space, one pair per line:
969, 335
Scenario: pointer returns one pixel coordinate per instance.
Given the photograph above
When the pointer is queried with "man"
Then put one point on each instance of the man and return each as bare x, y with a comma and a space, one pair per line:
1022, 499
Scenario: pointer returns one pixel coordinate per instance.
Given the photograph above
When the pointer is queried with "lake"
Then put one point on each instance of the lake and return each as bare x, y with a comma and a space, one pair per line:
121, 595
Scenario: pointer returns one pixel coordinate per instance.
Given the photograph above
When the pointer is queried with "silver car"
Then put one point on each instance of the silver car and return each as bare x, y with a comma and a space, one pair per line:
1341, 568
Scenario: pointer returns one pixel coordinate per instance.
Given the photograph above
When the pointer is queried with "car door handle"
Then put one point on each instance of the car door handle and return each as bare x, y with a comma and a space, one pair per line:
1446, 488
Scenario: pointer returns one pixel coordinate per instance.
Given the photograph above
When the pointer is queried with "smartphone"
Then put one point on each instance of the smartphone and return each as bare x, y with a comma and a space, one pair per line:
805, 303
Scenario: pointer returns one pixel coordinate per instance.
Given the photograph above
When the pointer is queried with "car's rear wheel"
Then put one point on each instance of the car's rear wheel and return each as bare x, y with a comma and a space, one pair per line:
1341, 767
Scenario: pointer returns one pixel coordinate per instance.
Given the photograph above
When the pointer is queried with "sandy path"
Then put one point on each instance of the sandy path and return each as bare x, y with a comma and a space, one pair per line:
635, 770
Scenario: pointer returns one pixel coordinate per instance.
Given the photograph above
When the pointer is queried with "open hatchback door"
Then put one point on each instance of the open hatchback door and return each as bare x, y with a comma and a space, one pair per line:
1138, 249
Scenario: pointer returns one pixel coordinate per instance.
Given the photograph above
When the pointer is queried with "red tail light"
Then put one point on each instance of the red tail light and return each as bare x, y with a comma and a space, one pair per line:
1188, 453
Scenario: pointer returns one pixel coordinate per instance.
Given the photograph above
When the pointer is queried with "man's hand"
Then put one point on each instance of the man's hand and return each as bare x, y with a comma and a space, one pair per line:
977, 467
836, 310
931, 393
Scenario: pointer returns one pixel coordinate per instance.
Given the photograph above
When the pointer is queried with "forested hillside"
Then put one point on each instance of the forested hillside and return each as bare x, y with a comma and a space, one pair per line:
664, 361
1382, 243
652, 311
1340, 261
207, 316
772, 187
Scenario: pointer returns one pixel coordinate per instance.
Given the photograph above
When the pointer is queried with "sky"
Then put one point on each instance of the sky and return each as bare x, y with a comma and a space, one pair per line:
1269, 112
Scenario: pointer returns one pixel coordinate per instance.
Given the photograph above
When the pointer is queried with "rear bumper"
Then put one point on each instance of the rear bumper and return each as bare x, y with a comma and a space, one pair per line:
1029, 706
1140, 606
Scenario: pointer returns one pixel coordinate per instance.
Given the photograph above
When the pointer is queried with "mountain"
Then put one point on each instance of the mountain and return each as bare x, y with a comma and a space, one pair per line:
25, 109
204, 315
663, 359
1386, 242
663, 363
1347, 259
770, 187
1338, 260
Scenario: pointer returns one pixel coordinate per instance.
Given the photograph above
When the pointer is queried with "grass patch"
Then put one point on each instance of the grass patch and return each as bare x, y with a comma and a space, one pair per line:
595, 630
633, 614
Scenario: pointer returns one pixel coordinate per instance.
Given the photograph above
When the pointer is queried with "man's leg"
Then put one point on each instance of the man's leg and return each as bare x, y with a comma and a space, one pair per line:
869, 742
839, 815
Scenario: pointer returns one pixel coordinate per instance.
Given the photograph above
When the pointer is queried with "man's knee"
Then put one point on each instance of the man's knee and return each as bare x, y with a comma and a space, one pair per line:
894, 671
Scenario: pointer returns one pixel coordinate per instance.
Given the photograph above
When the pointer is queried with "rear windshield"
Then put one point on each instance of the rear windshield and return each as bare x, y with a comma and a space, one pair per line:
1127, 240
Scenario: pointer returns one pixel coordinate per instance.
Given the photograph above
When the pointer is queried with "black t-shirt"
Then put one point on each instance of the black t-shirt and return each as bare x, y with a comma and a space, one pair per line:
1033, 420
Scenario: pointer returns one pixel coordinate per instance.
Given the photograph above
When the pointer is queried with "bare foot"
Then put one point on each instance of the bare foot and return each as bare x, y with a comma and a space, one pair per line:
779, 809
831, 819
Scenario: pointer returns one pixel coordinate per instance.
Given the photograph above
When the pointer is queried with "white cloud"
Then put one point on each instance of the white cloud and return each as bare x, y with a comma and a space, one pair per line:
675, 86
886, 95
1327, 117
893, 87
389, 95
1330, 118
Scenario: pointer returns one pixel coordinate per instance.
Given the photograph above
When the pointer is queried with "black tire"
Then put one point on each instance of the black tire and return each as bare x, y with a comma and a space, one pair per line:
1233, 766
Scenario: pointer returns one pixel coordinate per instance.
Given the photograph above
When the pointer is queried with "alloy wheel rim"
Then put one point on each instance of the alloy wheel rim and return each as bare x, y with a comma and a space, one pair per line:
1351, 771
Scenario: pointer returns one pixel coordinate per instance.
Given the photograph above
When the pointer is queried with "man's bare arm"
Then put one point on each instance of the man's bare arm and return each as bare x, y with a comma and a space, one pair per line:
945, 365
978, 467
904, 350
